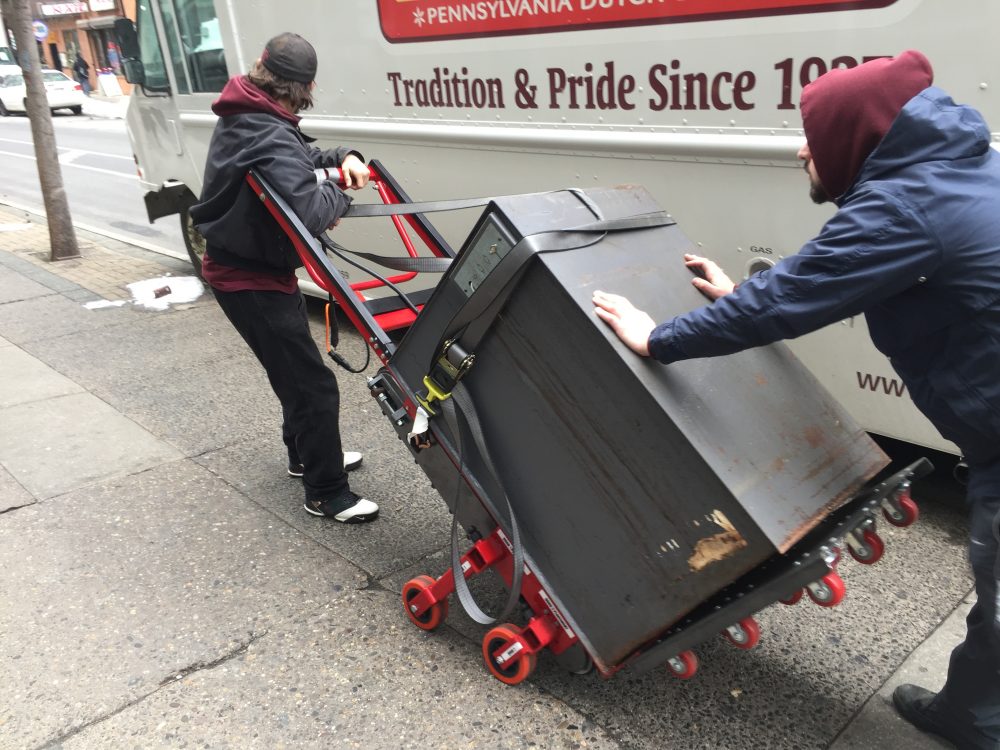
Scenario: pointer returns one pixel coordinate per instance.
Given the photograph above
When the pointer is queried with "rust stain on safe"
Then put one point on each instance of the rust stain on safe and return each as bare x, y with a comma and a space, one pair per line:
814, 436
869, 470
718, 547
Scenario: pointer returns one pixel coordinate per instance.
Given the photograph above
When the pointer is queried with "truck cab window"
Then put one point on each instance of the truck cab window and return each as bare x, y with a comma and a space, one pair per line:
188, 30
192, 31
149, 45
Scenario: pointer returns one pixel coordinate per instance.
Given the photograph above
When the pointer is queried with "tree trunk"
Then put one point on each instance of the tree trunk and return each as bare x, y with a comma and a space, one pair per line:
62, 238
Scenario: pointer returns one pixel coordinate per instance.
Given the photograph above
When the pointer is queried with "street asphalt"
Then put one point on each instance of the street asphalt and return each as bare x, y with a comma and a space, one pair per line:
162, 586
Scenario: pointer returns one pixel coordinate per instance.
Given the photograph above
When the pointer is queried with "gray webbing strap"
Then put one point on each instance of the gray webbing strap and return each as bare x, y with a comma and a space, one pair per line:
420, 264
440, 265
362, 210
461, 398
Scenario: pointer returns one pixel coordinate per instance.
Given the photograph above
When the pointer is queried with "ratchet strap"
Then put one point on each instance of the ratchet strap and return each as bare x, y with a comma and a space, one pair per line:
460, 404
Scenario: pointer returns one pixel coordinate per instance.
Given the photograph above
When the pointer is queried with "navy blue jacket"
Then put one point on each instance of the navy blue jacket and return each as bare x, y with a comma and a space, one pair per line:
915, 247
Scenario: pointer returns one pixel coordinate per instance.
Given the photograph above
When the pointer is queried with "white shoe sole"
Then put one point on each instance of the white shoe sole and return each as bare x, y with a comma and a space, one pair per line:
352, 460
361, 512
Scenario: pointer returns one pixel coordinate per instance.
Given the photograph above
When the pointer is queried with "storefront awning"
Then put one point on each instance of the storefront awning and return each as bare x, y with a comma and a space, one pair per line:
102, 22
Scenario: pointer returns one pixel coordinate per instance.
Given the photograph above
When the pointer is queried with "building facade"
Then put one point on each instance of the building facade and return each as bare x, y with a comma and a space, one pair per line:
83, 29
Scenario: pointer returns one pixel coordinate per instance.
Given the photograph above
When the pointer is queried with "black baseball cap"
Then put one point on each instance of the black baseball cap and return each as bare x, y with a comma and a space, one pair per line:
290, 56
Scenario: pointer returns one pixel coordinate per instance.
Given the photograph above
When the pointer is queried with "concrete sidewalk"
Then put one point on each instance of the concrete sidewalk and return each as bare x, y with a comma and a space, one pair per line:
162, 586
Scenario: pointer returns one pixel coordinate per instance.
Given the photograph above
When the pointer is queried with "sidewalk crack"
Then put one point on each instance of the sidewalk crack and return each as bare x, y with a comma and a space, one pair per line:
240, 649
18, 507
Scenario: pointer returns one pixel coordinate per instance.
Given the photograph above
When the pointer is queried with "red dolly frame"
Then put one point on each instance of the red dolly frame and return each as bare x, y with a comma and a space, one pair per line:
509, 652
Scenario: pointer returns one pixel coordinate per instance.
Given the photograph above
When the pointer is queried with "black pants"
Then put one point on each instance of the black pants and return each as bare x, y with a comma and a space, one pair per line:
276, 327
972, 691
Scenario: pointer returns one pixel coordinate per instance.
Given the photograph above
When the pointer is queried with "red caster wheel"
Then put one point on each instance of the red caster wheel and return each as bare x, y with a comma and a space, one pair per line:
870, 549
505, 655
793, 599
436, 613
828, 591
902, 512
684, 665
745, 634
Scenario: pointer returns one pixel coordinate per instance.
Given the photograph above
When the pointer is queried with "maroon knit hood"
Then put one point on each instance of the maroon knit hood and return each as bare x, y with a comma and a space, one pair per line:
847, 112
240, 97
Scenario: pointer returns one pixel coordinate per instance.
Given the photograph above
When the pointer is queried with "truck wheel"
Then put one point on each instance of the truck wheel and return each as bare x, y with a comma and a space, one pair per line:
77, 110
193, 240
3, 110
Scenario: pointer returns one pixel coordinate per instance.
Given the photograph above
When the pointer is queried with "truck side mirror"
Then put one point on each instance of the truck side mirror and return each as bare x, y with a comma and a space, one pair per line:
134, 71
128, 44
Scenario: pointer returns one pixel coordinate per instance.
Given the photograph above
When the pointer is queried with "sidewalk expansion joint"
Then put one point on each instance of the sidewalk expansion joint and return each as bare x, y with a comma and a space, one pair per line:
239, 650
202, 666
18, 507
374, 584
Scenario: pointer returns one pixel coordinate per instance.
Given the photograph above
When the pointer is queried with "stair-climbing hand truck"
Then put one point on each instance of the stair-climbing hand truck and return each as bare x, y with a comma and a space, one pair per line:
631, 509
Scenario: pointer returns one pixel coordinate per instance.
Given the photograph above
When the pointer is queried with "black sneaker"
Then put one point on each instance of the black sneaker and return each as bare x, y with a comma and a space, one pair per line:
347, 509
352, 460
916, 705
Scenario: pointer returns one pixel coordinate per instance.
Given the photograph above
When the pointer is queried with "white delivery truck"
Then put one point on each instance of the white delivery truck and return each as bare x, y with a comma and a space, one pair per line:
697, 100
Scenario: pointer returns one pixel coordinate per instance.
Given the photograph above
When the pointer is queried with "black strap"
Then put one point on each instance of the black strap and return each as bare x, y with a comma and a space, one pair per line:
471, 322
363, 210
461, 403
420, 264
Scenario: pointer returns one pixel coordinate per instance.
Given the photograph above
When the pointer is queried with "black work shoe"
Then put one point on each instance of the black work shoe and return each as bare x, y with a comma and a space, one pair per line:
915, 704
352, 460
348, 508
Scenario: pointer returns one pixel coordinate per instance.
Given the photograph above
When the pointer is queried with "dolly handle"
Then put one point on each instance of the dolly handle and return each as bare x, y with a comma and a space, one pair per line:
334, 174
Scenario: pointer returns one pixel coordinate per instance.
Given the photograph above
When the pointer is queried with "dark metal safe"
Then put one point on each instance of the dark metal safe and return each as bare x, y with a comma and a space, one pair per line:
640, 489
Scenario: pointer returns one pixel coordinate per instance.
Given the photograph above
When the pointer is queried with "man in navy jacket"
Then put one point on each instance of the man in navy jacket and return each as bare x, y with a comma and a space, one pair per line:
915, 247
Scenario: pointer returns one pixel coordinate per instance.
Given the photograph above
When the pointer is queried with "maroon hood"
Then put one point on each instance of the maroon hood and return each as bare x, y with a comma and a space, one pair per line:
846, 113
240, 97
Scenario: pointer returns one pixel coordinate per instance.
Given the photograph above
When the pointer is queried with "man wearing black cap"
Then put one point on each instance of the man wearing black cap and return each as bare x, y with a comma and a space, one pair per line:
915, 247
250, 262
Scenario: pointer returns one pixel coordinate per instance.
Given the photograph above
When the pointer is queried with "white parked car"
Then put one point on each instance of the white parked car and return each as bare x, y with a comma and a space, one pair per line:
61, 90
